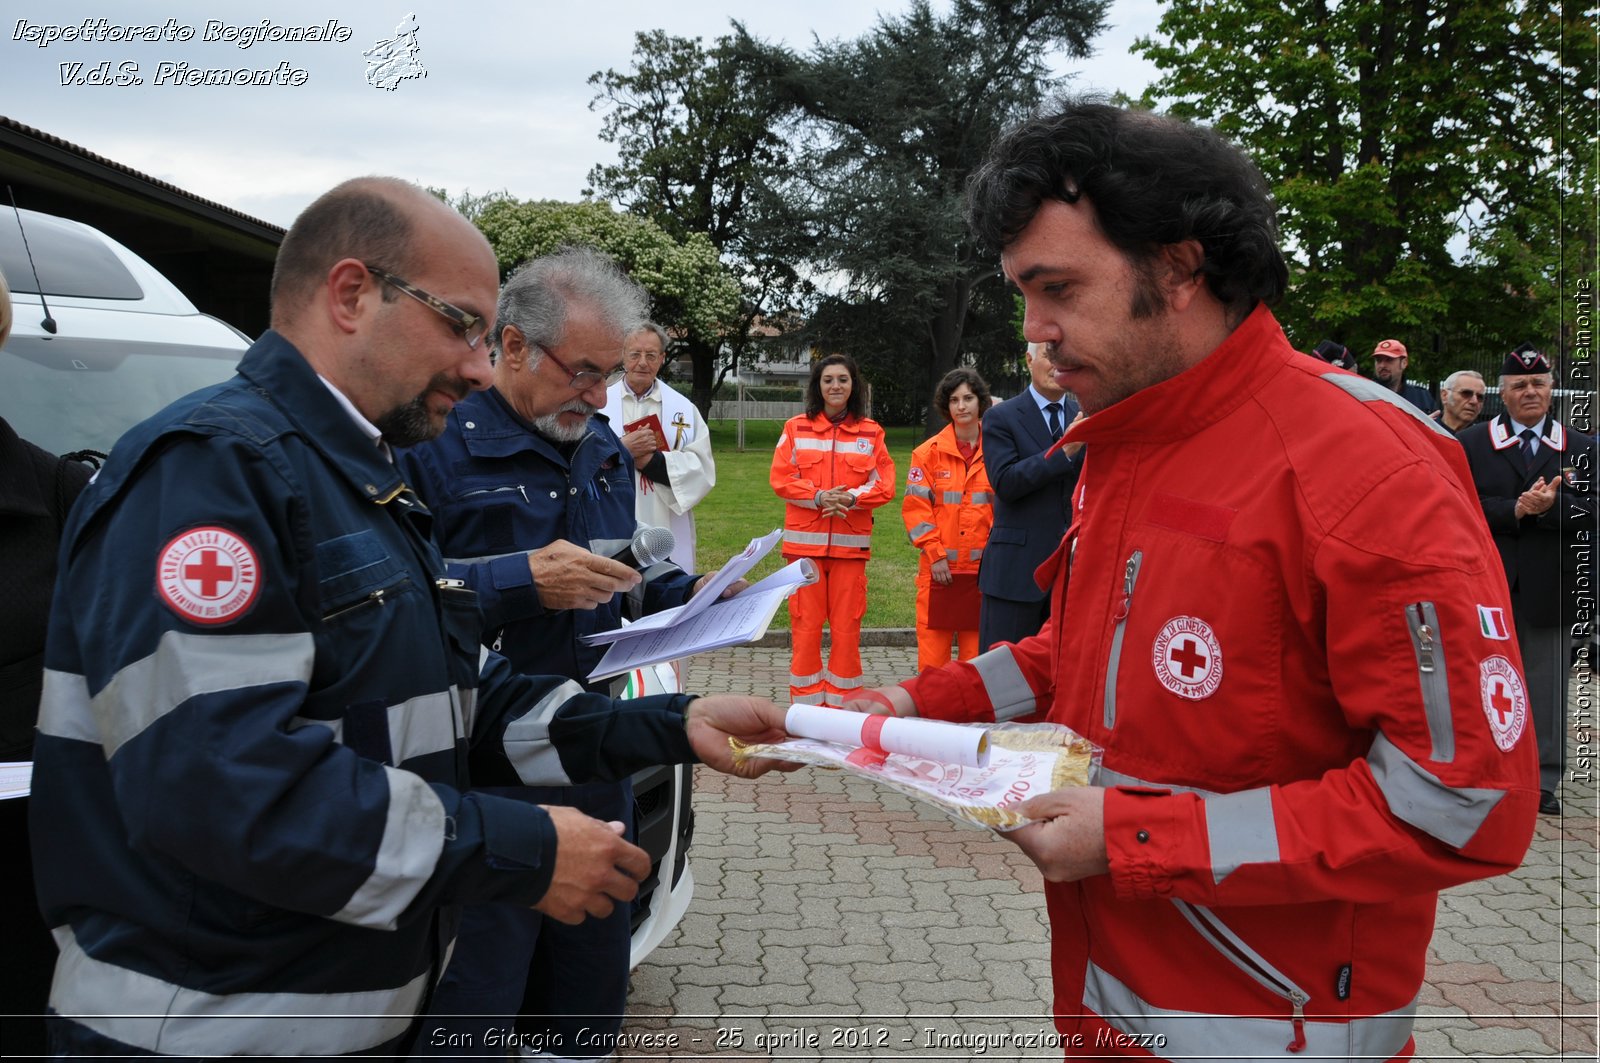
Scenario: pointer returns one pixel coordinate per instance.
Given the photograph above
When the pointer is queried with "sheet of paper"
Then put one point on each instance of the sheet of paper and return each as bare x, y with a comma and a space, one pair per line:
724, 578
913, 737
16, 777
731, 622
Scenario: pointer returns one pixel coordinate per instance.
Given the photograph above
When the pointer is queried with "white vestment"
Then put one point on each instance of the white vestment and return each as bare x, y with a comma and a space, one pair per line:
691, 473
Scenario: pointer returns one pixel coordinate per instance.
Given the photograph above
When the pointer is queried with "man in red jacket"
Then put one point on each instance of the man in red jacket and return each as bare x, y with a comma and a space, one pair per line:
1295, 659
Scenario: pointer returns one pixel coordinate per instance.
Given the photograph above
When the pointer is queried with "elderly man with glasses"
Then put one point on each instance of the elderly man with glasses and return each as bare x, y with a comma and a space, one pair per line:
672, 445
532, 493
1462, 394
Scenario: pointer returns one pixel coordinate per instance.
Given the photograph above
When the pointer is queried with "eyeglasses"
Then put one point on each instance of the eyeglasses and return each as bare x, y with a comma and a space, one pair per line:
583, 380
471, 327
1474, 396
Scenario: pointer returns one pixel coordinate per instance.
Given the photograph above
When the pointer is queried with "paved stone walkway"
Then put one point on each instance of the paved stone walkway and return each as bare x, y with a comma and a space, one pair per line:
833, 920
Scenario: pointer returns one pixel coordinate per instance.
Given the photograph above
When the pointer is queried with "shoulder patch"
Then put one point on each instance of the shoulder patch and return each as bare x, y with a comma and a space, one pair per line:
1505, 701
915, 475
208, 575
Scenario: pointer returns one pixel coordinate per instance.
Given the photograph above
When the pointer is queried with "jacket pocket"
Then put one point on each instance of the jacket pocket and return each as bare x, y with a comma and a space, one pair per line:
1232, 948
357, 572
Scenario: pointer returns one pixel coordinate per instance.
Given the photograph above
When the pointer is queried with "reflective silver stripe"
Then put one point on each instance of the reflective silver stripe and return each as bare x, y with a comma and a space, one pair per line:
1242, 830
804, 503
1422, 619
805, 538
804, 680
158, 1016
1372, 391
951, 498
607, 547
64, 707
484, 559
812, 443
1108, 777
806, 699
413, 838
919, 491
830, 698
527, 740
922, 529
861, 541
982, 498
1223, 1038
845, 682
183, 666
871, 482
1008, 691
975, 555
1422, 799
417, 727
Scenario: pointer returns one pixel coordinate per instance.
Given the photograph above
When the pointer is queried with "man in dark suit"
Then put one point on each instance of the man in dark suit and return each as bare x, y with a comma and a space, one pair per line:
1535, 480
1032, 504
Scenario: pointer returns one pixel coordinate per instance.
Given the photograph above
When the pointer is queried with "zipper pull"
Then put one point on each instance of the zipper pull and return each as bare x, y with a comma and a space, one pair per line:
1424, 641
446, 584
1129, 572
523, 491
1299, 1021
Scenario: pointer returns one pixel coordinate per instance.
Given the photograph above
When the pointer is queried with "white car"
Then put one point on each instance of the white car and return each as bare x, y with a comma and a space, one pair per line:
112, 341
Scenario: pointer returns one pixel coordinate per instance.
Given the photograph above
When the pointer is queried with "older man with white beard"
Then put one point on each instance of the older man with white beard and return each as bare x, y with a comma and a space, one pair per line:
532, 494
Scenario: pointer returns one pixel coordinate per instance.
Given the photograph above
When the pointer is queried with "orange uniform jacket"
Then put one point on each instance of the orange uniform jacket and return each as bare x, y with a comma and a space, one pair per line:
815, 455
948, 506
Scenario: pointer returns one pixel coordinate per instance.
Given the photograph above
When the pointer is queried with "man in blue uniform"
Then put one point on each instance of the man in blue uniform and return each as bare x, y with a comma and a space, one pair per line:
250, 814
531, 489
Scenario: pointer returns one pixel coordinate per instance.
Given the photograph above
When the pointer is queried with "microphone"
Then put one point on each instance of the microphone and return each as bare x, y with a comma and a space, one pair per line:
650, 546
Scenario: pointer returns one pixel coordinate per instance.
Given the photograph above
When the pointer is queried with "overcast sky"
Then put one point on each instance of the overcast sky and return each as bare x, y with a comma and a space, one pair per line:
505, 103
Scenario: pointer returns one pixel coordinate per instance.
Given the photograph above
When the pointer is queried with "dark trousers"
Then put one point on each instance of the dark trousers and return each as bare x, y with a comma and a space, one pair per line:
1546, 656
30, 951
568, 982
1006, 620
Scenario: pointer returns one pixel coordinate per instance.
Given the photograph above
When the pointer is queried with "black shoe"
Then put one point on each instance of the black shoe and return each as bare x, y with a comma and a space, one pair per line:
1548, 805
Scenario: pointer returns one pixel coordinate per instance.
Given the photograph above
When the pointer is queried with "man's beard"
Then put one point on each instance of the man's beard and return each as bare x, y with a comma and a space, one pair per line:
550, 425
412, 423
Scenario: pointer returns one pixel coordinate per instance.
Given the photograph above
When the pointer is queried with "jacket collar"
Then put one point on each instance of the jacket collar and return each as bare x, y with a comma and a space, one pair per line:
1201, 395
490, 428
1503, 433
946, 441
280, 372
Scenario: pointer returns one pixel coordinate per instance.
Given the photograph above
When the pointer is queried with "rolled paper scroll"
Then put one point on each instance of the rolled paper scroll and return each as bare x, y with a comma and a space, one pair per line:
881, 735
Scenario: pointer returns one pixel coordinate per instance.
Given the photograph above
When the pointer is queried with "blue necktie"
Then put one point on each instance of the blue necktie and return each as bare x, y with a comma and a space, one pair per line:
1528, 436
1054, 409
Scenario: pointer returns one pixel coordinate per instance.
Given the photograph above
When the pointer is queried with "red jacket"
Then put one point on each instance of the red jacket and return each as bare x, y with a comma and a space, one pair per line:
815, 455
1286, 624
948, 505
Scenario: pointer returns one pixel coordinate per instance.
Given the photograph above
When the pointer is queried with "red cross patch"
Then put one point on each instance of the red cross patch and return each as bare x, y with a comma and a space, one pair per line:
1187, 658
915, 476
1505, 701
208, 575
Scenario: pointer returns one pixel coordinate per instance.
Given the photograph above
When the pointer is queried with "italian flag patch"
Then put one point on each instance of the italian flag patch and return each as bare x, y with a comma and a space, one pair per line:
1492, 622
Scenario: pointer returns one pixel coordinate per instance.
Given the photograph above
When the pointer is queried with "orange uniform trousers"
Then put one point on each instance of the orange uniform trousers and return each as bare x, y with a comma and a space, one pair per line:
839, 599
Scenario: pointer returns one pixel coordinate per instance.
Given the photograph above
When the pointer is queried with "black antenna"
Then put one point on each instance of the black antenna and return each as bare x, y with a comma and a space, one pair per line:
49, 323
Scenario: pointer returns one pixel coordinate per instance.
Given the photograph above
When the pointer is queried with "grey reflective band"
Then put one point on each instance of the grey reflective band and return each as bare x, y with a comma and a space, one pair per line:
158, 1016
870, 482
982, 498
812, 443
608, 547
1008, 691
861, 542
1420, 798
951, 498
527, 740
1107, 777
413, 838
804, 503
976, 555
417, 727
1372, 391
921, 529
848, 682
804, 680
183, 666
1237, 1038
832, 700
484, 559
806, 699
1242, 831
805, 538
919, 491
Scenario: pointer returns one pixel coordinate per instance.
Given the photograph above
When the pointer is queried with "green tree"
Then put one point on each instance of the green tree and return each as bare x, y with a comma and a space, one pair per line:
699, 150
888, 128
1415, 149
692, 293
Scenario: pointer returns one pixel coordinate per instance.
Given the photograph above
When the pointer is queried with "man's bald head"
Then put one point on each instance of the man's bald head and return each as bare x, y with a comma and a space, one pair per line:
373, 219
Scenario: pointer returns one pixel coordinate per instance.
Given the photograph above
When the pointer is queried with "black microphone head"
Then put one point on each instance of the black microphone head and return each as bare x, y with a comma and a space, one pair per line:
651, 544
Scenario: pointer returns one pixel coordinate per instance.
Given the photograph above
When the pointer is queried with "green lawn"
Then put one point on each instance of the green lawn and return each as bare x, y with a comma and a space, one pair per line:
742, 507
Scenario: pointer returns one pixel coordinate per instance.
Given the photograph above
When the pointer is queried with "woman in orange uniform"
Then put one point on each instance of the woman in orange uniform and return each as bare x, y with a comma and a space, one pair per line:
948, 512
832, 467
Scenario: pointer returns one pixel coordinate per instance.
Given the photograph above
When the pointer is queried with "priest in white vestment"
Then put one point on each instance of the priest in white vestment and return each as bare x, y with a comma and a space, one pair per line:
675, 467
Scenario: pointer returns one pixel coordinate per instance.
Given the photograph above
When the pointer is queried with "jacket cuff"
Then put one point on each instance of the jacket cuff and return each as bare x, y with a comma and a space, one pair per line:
1144, 831
517, 596
518, 837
